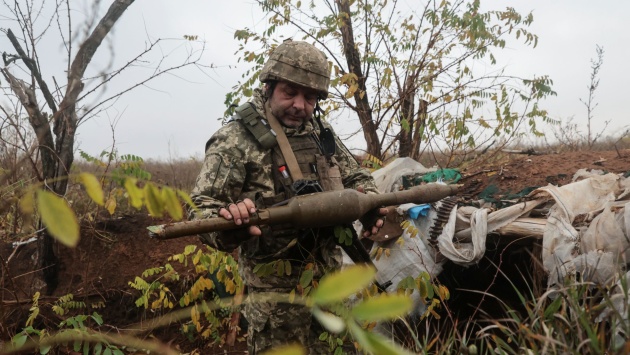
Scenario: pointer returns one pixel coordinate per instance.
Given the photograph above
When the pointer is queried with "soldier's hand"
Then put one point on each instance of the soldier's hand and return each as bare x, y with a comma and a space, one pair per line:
374, 220
240, 213
378, 220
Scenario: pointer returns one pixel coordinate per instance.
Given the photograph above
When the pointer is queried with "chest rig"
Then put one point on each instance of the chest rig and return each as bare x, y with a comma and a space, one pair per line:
300, 164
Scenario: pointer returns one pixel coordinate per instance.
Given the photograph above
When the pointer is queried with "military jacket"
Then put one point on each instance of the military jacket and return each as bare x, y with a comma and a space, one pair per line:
237, 167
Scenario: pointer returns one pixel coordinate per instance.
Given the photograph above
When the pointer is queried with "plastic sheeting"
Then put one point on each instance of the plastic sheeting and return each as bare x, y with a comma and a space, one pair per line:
389, 177
587, 230
594, 247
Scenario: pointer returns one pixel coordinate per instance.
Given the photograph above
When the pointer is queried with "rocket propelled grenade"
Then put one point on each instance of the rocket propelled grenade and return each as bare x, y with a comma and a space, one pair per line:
323, 209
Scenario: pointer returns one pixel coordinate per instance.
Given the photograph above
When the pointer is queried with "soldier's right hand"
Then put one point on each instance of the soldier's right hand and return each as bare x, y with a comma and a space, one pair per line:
240, 213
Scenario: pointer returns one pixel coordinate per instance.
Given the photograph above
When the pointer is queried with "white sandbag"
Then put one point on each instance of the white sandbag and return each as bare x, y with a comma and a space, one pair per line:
465, 253
561, 241
389, 177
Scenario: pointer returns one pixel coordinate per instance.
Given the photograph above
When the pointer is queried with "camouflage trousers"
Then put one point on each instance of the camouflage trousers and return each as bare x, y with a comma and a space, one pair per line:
273, 324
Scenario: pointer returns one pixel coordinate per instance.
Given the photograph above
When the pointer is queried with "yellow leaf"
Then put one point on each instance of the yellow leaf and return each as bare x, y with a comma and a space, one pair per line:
93, 188
110, 205
483, 123
293, 349
186, 198
135, 194
379, 252
351, 90
58, 217
153, 199
292, 296
171, 203
27, 204
194, 316
230, 286
444, 292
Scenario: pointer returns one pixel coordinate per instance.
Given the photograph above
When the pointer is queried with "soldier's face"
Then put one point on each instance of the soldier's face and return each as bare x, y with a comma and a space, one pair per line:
292, 104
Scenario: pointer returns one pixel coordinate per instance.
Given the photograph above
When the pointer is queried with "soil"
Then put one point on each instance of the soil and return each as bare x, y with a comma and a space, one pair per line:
113, 252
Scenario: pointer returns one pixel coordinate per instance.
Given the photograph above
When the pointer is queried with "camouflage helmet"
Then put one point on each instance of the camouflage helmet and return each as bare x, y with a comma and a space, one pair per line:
299, 63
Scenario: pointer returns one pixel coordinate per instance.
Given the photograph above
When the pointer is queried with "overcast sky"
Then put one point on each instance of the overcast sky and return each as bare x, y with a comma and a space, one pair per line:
176, 115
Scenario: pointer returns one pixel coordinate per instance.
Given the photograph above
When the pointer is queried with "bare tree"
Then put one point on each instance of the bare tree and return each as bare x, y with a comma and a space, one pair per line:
55, 122
590, 103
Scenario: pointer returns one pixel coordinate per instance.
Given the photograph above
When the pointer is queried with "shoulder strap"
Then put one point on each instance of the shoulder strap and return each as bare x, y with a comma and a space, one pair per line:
257, 125
285, 146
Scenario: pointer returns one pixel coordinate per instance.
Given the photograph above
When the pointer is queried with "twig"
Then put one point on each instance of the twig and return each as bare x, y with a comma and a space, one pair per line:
478, 172
529, 151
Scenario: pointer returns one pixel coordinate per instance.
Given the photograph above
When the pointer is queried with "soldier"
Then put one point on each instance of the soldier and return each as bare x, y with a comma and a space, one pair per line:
274, 148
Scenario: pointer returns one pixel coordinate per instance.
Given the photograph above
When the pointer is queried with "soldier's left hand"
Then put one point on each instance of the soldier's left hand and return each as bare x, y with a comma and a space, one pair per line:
378, 223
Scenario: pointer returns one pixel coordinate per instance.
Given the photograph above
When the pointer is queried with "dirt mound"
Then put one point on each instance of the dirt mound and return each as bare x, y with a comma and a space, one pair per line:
515, 172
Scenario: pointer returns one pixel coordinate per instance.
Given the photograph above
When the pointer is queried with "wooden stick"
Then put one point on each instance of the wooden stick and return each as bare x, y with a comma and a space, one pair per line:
236, 316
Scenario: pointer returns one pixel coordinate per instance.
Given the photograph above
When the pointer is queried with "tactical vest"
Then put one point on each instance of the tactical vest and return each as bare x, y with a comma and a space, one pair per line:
314, 166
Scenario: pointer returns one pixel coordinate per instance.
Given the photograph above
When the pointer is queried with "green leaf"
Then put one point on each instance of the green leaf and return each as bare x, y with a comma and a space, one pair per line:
383, 346
553, 308
97, 318
58, 217
306, 278
329, 321
341, 284
135, 194
323, 336
360, 336
383, 307
93, 188
292, 349
19, 340
45, 349
280, 268
171, 203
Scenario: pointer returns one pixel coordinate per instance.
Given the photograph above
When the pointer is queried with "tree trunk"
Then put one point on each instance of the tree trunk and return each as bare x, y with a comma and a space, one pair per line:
407, 113
363, 109
58, 153
419, 127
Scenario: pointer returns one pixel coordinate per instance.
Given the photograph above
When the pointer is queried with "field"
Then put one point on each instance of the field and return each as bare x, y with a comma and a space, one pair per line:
114, 250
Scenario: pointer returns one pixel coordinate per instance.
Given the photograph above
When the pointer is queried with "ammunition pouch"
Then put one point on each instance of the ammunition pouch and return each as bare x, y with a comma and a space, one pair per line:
256, 125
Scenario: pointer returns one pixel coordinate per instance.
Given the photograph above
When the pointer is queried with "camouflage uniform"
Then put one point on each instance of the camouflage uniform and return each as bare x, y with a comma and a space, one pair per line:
236, 167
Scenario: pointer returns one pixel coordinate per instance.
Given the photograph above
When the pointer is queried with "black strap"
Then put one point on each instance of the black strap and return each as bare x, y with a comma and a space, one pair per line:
326, 137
